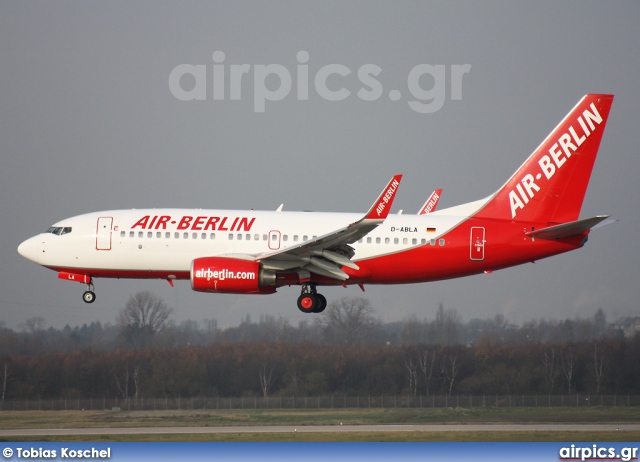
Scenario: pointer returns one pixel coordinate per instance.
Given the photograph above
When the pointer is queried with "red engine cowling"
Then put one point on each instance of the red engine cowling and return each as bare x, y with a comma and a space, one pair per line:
231, 275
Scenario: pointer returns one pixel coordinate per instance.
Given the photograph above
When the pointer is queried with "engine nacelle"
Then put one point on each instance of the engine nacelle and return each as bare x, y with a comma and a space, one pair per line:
231, 275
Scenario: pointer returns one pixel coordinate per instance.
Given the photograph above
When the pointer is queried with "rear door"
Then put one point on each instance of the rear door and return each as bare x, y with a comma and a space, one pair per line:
477, 243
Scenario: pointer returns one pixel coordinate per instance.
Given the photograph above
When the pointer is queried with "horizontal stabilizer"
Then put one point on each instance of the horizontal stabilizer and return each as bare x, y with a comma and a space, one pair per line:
574, 228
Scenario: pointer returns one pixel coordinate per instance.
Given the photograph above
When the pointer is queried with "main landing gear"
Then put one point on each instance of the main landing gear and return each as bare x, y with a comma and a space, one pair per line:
311, 301
89, 296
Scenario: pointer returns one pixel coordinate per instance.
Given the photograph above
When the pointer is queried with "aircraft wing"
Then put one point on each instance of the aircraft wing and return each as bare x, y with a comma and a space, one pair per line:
327, 254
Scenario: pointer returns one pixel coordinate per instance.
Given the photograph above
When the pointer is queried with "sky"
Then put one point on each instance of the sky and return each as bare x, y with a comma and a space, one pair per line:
90, 119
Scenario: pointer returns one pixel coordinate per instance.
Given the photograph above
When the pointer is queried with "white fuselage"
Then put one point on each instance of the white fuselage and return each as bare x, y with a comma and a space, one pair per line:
167, 240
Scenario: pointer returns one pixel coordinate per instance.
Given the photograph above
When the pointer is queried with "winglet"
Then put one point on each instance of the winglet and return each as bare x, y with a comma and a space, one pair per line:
432, 202
380, 208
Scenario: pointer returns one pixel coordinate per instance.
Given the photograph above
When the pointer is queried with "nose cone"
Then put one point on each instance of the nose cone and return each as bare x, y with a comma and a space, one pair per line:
29, 249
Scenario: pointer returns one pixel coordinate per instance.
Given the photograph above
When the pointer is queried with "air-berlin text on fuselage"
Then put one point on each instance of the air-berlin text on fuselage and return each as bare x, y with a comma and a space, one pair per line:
567, 144
198, 223
387, 197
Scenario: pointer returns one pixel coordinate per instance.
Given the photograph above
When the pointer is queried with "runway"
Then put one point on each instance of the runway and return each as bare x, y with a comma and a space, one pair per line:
321, 429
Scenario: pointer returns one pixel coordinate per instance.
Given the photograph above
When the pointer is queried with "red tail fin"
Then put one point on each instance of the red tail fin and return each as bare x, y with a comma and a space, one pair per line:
551, 184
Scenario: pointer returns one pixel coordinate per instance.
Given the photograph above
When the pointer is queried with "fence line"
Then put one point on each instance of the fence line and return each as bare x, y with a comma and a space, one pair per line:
320, 402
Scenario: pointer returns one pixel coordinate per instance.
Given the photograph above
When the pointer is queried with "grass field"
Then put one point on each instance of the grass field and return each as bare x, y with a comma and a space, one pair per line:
296, 418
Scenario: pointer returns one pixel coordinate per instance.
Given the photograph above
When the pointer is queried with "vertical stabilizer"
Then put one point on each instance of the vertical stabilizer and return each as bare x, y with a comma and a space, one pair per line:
551, 185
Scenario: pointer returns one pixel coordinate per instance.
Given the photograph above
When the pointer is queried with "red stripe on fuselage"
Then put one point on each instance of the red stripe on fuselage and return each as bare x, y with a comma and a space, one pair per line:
124, 274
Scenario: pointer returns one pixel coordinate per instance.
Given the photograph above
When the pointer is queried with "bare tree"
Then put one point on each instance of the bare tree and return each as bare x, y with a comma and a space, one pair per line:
122, 382
450, 369
549, 363
599, 364
144, 316
294, 375
568, 362
411, 367
426, 366
266, 376
5, 376
351, 320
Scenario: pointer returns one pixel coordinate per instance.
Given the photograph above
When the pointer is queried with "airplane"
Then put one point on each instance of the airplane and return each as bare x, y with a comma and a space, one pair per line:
534, 215
431, 203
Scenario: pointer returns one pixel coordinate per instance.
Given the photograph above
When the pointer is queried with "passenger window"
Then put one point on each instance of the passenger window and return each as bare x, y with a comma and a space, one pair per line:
212, 236
140, 234
359, 241
256, 237
239, 236
432, 242
405, 241
396, 240
122, 233
194, 235
423, 241
441, 242
230, 237
274, 237
167, 235
377, 240
414, 241
177, 235
158, 234
264, 237
387, 240
295, 238
305, 238
204, 235
248, 237
131, 234
185, 235
368, 240
285, 238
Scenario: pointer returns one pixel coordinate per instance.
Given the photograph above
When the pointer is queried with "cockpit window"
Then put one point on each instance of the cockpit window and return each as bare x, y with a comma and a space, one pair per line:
59, 230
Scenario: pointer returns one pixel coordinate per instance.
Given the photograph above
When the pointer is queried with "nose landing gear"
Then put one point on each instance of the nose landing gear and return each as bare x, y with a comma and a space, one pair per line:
89, 296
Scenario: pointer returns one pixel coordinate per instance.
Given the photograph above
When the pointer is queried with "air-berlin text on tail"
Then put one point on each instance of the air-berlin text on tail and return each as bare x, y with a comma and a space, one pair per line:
200, 223
384, 200
561, 151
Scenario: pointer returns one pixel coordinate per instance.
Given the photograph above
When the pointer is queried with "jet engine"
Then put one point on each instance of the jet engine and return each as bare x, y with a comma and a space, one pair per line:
231, 275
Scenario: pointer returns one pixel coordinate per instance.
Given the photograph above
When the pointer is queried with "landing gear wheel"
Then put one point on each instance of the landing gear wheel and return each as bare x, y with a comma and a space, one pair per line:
89, 296
307, 303
322, 303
